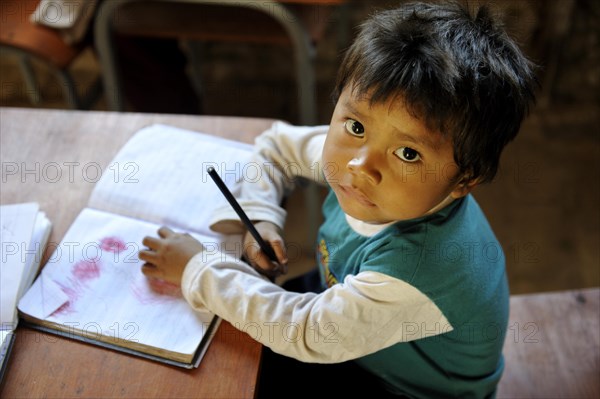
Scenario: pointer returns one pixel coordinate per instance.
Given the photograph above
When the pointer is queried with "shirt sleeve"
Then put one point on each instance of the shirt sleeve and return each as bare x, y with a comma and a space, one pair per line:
361, 315
282, 154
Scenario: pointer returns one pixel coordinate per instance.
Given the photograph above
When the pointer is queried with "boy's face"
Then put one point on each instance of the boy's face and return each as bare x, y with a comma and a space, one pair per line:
384, 165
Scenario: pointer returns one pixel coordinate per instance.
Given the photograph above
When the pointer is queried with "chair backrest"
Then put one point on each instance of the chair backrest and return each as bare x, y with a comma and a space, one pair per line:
18, 32
188, 20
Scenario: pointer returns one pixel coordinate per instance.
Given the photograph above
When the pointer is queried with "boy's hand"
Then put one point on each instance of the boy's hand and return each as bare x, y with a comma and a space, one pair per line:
167, 256
258, 259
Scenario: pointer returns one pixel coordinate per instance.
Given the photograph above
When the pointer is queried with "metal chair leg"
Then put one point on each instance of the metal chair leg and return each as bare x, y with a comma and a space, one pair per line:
68, 87
33, 91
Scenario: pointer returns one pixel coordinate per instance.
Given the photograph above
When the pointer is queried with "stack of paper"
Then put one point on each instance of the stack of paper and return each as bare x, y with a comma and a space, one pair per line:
24, 233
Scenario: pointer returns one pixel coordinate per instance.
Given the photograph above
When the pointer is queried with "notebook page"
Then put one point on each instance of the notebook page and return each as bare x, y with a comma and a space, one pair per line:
93, 283
160, 176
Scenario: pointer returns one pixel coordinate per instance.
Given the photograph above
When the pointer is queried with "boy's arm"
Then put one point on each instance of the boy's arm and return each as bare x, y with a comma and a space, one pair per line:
360, 316
282, 154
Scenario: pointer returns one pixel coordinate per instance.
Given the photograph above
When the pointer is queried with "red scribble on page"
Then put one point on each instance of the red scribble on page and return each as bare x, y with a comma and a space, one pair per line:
67, 308
112, 244
85, 270
82, 272
163, 287
153, 291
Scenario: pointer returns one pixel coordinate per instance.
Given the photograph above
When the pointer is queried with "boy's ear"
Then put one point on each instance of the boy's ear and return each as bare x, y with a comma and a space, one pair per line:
464, 187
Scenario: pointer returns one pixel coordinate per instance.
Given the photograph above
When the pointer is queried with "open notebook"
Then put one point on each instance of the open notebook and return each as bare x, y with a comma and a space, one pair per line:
24, 233
92, 287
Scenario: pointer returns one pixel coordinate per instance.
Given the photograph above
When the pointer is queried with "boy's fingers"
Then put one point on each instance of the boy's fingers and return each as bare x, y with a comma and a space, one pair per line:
258, 259
254, 255
280, 251
282, 268
269, 267
151, 242
147, 256
264, 262
165, 232
149, 270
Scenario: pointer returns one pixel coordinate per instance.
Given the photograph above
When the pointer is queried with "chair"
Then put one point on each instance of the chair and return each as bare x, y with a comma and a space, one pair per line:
283, 22
26, 40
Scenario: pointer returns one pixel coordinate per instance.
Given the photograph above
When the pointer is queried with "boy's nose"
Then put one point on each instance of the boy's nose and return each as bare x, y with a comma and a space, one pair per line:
365, 165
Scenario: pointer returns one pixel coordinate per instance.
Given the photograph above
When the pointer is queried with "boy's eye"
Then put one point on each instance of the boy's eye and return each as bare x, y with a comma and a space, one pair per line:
354, 128
407, 154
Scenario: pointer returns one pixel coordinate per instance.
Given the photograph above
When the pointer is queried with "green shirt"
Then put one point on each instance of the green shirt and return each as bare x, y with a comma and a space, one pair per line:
454, 259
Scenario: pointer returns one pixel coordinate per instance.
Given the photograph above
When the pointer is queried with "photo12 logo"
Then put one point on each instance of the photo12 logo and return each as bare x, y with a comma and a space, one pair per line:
54, 172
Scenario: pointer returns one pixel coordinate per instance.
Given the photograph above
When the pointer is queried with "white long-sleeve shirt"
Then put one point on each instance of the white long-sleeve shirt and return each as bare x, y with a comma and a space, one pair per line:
362, 314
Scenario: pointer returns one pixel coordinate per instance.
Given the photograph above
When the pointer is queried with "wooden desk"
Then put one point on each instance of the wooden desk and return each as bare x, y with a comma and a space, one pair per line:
41, 142
552, 348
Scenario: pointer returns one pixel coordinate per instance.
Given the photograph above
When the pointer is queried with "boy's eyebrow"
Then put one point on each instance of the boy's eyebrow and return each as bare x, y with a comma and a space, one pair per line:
352, 109
420, 139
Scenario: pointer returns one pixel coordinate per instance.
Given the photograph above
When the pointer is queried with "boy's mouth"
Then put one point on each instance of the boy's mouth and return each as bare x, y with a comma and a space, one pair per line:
356, 195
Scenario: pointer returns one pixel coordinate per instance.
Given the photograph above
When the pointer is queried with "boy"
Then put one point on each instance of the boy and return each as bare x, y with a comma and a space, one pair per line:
413, 286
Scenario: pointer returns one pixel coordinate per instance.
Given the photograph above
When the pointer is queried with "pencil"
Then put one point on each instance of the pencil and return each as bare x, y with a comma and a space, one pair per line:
266, 248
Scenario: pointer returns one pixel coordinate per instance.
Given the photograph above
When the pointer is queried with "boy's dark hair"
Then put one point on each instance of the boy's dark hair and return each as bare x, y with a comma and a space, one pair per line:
461, 75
